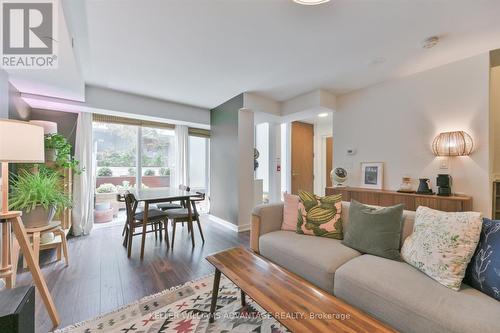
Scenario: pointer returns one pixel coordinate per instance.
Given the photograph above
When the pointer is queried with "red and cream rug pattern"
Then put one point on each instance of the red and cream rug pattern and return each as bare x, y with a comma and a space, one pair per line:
185, 309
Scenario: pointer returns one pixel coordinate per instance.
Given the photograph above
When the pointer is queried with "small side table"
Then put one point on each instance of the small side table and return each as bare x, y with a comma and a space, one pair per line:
54, 227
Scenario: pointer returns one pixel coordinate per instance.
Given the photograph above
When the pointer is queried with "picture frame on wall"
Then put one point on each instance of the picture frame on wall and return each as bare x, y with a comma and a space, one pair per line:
372, 175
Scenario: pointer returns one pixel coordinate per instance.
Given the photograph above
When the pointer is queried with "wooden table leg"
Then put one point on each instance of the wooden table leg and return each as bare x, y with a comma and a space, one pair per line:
215, 294
243, 300
144, 229
22, 238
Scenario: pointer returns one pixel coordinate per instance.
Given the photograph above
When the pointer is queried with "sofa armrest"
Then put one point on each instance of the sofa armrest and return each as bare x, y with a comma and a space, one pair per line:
265, 218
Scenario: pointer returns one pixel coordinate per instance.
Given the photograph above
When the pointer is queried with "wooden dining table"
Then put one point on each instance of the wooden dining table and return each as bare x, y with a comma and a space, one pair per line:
163, 194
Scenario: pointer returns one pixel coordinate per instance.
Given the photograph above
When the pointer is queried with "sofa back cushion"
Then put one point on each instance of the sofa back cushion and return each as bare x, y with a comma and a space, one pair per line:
374, 230
406, 228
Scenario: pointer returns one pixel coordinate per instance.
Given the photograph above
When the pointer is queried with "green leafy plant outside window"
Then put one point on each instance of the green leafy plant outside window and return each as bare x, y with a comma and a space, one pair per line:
104, 172
106, 188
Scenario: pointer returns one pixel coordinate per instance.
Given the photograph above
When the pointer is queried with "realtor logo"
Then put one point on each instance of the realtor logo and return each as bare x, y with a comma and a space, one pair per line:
28, 34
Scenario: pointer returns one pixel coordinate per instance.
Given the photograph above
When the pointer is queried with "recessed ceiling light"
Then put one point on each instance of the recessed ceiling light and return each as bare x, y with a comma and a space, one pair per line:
323, 115
310, 2
430, 42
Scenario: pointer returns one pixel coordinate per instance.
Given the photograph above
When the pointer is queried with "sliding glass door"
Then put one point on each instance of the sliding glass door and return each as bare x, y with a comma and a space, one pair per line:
157, 156
198, 168
132, 153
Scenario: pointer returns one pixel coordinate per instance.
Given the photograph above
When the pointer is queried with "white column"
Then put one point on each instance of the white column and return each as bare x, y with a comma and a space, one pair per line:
274, 161
245, 188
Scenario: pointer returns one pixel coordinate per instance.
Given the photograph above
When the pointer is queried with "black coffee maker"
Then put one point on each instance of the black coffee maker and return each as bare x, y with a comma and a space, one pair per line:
424, 187
443, 182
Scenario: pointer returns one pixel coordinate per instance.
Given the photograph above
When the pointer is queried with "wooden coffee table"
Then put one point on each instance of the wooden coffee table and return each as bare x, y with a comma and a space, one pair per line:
291, 300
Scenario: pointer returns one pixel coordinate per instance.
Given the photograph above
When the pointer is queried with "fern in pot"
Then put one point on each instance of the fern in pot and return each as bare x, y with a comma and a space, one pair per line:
39, 196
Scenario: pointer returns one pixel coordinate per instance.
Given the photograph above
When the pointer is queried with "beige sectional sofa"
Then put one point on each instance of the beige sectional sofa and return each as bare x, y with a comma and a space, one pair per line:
392, 291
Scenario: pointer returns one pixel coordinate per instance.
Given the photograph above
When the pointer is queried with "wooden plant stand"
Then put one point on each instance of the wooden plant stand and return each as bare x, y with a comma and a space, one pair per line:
10, 256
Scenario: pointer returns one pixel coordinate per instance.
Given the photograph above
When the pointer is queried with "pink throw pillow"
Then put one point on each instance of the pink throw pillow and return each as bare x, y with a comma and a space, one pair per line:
290, 212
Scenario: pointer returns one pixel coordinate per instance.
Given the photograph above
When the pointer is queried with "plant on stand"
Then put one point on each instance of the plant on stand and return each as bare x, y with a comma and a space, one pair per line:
38, 195
58, 150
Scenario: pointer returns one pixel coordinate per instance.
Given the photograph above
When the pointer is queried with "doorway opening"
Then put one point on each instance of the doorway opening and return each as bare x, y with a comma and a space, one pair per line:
311, 154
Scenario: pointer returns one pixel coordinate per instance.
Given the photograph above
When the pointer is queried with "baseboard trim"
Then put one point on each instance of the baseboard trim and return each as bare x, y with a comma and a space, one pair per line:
228, 225
223, 223
245, 227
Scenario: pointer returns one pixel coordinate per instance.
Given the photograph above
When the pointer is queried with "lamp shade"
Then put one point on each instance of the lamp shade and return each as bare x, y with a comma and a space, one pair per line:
456, 143
49, 127
21, 142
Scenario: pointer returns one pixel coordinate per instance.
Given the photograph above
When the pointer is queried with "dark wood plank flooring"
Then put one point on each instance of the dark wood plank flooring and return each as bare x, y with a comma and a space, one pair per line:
100, 278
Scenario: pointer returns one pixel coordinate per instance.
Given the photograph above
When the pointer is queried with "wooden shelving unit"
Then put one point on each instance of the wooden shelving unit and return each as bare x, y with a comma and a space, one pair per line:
411, 201
65, 215
496, 200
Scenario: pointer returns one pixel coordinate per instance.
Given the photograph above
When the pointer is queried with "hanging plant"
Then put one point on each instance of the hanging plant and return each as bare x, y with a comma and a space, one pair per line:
58, 148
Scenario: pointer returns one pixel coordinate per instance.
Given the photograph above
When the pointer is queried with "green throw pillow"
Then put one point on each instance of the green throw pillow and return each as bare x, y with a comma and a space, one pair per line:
374, 230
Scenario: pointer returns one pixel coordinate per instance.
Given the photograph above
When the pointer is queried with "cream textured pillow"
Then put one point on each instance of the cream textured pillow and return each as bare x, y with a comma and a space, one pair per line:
442, 244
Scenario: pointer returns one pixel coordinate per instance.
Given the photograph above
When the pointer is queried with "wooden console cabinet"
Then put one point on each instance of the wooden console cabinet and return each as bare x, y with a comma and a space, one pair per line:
410, 200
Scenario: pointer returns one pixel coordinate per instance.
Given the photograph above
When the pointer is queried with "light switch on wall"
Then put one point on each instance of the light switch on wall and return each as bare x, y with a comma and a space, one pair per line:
444, 165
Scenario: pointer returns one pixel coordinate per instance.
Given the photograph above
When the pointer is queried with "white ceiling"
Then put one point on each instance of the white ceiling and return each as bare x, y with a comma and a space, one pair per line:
205, 52
64, 82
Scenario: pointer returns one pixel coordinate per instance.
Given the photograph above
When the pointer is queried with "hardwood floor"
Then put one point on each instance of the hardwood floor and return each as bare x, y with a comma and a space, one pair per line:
100, 278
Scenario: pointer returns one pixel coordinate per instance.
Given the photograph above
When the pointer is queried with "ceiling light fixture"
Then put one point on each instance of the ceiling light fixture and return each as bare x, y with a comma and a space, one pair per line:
323, 115
430, 42
310, 2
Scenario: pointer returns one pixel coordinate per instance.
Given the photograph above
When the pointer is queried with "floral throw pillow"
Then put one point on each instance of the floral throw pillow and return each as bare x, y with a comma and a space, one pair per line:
442, 244
483, 272
320, 216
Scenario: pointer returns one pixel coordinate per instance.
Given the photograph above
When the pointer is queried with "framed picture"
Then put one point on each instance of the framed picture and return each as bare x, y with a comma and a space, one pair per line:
372, 175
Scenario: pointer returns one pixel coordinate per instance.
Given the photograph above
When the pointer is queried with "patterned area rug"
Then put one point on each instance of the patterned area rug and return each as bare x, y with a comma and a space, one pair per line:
185, 309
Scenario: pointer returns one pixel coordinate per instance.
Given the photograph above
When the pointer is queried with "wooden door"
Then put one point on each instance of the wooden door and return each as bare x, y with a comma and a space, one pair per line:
302, 157
328, 154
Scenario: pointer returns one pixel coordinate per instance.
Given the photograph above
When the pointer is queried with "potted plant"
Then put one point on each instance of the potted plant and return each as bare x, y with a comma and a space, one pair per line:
104, 172
58, 150
38, 195
105, 197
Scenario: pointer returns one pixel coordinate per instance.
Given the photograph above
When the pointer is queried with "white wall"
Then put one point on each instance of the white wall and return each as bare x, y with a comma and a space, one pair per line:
4, 94
245, 168
108, 99
395, 122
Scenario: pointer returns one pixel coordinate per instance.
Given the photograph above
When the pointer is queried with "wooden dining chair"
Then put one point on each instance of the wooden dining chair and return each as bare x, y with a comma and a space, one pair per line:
182, 215
156, 218
172, 205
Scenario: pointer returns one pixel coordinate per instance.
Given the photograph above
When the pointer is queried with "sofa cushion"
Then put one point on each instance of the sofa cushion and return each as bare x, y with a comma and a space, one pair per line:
313, 258
320, 216
290, 212
483, 272
408, 300
442, 244
406, 229
374, 230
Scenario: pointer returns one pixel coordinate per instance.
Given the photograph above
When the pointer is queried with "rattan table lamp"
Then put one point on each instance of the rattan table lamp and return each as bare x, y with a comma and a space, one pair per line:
20, 142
